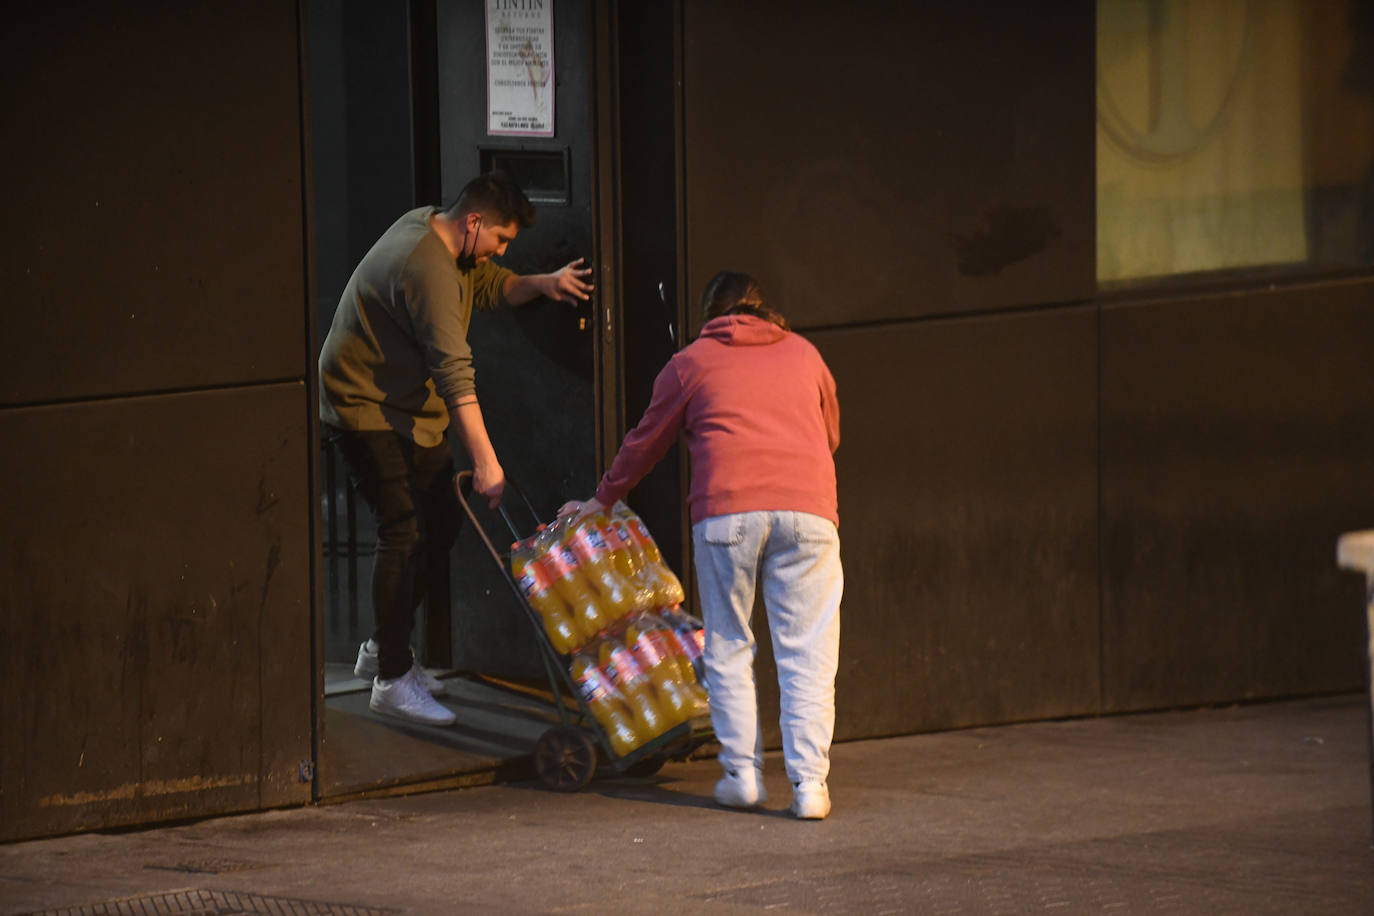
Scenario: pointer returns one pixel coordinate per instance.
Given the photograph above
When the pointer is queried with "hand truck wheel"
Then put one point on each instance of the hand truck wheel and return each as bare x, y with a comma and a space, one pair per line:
565, 758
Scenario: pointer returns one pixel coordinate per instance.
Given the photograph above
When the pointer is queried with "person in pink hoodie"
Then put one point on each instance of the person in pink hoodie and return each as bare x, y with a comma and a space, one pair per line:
758, 407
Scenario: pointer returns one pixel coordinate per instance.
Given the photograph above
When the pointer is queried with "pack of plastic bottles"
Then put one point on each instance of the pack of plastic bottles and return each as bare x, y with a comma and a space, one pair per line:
611, 605
637, 682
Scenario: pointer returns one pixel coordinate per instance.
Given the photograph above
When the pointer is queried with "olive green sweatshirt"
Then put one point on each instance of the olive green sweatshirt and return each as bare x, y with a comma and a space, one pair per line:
397, 352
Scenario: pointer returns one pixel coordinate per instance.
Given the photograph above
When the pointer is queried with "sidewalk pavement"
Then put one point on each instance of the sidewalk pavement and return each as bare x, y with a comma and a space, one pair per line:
1253, 809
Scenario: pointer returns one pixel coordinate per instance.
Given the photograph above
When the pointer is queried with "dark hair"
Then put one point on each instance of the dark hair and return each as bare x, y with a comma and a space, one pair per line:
731, 292
497, 198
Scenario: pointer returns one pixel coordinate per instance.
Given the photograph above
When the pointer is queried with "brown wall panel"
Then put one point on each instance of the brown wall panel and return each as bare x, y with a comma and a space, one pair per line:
891, 160
155, 593
967, 521
1237, 445
153, 186
156, 609
886, 162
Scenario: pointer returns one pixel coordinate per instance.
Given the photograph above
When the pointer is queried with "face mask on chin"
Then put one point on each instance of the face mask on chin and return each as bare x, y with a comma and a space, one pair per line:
467, 258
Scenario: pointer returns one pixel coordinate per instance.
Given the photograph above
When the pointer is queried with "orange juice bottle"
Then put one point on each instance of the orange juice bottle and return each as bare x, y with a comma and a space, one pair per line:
606, 705
587, 542
622, 547
651, 652
534, 583
619, 662
667, 588
686, 653
691, 636
631, 554
627, 562
561, 565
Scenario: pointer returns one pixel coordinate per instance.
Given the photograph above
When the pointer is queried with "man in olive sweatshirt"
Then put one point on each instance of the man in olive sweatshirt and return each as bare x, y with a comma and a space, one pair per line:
395, 372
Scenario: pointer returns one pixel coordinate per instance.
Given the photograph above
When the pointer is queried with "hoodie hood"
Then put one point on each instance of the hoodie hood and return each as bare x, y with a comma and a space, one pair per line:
742, 331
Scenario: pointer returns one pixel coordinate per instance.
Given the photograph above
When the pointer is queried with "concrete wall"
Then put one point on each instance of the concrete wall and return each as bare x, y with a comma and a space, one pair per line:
1051, 503
155, 594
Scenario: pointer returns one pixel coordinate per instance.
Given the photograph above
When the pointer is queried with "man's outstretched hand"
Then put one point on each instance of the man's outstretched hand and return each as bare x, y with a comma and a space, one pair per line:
568, 284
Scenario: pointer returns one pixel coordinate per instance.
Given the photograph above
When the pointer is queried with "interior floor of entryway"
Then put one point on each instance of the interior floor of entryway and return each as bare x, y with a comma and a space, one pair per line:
365, 753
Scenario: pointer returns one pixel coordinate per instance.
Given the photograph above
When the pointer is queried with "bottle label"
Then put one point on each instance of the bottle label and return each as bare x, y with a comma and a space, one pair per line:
649, 649
640, 532
623, 668
559, 562
594, 686
588, 543
692, 642
617, 537
534, 579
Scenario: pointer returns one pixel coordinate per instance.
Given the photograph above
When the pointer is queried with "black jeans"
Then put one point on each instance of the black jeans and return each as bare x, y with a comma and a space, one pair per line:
409, 489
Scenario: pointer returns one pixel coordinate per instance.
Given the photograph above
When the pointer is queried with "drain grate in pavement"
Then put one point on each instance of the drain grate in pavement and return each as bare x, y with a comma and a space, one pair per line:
214, 903
207, 866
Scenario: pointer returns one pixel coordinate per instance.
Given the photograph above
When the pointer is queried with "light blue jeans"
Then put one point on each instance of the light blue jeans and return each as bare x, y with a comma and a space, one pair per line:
796, 557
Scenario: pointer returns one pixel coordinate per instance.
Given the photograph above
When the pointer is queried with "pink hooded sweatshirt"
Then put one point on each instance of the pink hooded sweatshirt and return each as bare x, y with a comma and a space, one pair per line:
762, 422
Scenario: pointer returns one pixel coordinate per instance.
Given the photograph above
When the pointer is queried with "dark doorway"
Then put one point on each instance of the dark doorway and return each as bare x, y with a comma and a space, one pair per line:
398, 119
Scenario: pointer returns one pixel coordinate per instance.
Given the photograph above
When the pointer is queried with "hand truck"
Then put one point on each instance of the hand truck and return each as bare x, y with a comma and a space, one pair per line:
567, 755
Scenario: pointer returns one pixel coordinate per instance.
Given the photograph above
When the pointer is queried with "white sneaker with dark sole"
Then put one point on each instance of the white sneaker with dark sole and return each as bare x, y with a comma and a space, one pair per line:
368, 667
810, 801
406, 698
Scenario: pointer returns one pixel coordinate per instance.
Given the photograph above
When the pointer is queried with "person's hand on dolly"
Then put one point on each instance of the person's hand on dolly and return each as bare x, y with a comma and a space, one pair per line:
489, 479
577, 511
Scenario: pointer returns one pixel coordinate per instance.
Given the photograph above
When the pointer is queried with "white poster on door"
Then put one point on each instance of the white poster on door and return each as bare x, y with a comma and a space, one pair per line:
520, 68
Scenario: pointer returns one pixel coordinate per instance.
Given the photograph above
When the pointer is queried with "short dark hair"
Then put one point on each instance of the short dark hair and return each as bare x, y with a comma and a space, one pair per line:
732, 292
497, 198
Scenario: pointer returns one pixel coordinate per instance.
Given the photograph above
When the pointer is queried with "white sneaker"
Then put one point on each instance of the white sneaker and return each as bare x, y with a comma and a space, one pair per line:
741, 789
810, 800
369, 667
406, 698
